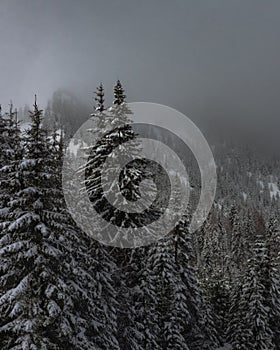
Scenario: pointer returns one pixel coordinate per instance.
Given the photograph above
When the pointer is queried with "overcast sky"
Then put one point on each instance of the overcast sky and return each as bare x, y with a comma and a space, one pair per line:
205, 58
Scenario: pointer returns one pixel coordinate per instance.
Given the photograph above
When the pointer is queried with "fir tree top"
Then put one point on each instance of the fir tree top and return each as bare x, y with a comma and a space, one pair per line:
36, 115
99, 98
119, 95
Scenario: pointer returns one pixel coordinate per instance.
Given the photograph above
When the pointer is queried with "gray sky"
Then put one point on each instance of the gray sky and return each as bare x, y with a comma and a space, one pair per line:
205, 58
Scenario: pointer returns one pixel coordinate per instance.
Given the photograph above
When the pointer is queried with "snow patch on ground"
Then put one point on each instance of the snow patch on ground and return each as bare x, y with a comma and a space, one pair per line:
225, 347
260, 182
74, 147
274, 190
272, 186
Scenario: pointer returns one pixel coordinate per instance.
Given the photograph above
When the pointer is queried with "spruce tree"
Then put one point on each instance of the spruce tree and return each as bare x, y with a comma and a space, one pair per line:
91, 270
250, 326
170, 309
119, 94
100, 98
123, 187
48, 296
27, 259
172, 304
113, 130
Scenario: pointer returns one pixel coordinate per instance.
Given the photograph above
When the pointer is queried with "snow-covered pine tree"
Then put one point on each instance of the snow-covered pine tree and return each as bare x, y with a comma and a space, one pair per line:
3, 135
272, 282
113, 130
273, 237
250, 326
89, 273
100, 114
199, 242
122, 187
249, 233
119, 94
236, 242
7, 123
236, 331
170, 313
46, 298
11, 153
100, 98
171, 306
201, 333
214, 279
94, 258
114, 123
144, 296
131, 331
26, 311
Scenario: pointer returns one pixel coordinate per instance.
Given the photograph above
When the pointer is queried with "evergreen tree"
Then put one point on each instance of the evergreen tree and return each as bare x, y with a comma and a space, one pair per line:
201, 332
91, 270
236, 242
28, 258
48, 297
119, 94
250, 326
100, 98
272, 282
172, 305
171, 313
121, 188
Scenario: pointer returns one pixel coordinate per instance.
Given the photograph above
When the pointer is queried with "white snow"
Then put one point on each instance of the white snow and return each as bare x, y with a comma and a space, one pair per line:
24, 126
225, 347
274, 190
75, 146
260, 182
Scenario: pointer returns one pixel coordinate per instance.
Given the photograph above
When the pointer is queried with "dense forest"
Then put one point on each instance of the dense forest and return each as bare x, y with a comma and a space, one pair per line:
218, 287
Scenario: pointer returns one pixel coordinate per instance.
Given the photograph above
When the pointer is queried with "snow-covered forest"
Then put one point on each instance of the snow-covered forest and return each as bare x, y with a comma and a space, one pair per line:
216, 288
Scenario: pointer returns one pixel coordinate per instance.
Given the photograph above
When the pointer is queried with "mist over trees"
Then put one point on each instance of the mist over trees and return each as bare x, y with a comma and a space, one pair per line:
60, 289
